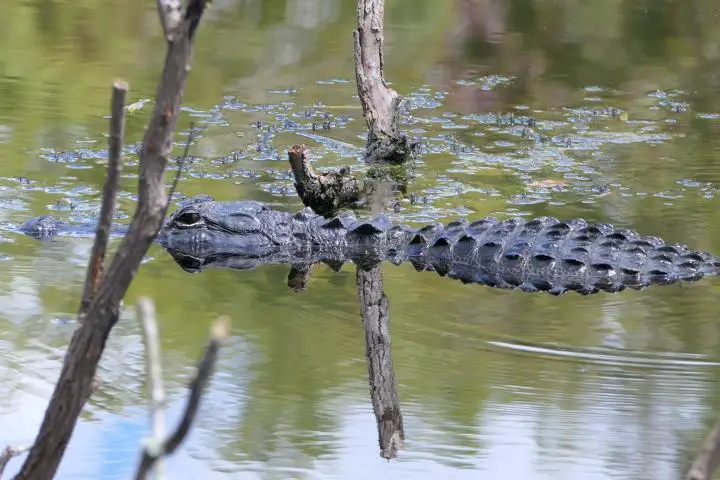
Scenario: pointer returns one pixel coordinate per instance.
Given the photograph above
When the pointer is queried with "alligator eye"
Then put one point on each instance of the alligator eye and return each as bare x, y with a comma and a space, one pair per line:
188, 218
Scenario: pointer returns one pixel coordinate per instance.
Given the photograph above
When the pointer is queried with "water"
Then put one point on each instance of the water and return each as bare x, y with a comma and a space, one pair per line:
607, 110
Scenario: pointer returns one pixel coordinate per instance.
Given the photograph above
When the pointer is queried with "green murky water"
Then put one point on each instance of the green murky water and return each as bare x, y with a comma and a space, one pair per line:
608, 110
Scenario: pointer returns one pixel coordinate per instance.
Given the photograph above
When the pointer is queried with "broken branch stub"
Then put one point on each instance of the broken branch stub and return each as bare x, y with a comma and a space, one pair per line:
325, 192
380, 103
74, 386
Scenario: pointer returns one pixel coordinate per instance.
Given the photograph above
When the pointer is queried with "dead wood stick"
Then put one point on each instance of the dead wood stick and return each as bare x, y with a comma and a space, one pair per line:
164, 447
386, 143
325, 192
9, 453
708, 459
88, 342
112, 184
146, 314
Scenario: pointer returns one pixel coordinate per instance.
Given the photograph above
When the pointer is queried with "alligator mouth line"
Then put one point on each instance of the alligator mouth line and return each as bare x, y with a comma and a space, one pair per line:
219, 227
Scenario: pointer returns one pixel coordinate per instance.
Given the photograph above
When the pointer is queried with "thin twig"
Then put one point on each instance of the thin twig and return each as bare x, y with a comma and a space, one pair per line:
181, 165
146, 314
9, 453
218, 333
708, 459
112, 184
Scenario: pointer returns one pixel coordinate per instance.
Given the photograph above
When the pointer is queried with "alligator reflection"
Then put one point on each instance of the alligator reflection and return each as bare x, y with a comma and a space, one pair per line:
375, 314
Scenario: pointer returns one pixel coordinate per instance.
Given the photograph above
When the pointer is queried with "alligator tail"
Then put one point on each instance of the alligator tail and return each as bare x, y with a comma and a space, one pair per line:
545, 254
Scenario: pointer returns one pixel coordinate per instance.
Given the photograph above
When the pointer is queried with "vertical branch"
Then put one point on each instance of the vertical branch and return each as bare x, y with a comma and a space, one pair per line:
146, 314
112, 184
88, 342
375, 312
379, 102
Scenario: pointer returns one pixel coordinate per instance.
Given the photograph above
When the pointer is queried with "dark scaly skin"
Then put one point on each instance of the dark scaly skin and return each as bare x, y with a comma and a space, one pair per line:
543, 254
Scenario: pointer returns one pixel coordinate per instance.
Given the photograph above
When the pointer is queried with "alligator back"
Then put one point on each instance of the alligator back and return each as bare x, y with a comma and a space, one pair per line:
545, 254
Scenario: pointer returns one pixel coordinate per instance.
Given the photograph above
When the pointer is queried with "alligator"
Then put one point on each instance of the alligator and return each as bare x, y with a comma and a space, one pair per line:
541, 254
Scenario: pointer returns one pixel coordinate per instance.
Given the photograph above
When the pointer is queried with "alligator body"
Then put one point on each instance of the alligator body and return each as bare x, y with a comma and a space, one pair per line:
543, 254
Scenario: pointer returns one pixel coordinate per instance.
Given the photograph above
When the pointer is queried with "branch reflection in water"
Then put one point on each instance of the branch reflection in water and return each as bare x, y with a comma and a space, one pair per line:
375, 315
375, 312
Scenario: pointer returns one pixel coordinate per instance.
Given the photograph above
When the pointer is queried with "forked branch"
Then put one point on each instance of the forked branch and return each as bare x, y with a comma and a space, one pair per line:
158, 448
88, 342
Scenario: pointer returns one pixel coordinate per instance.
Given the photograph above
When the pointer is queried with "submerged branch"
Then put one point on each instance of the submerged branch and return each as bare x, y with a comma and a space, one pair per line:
159, 448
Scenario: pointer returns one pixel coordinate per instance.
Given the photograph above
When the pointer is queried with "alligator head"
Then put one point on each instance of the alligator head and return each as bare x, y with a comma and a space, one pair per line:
202, 228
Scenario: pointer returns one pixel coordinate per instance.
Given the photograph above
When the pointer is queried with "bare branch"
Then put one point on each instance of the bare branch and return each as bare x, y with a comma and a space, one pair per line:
9, 453
112, 184
379, 102
88, 342
708, 459
218, 333
146, 314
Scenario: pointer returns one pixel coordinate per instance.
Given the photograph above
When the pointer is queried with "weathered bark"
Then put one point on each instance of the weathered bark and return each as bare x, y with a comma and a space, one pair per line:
708, 459
325, 192
375, 312
386, 143
88, 342
328, 192
112, 183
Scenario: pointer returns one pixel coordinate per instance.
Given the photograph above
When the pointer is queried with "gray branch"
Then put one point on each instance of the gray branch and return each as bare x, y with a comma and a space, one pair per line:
386, 143
161, 448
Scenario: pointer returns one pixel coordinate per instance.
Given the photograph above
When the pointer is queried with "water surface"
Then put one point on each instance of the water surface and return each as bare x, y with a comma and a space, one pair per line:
606, 110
